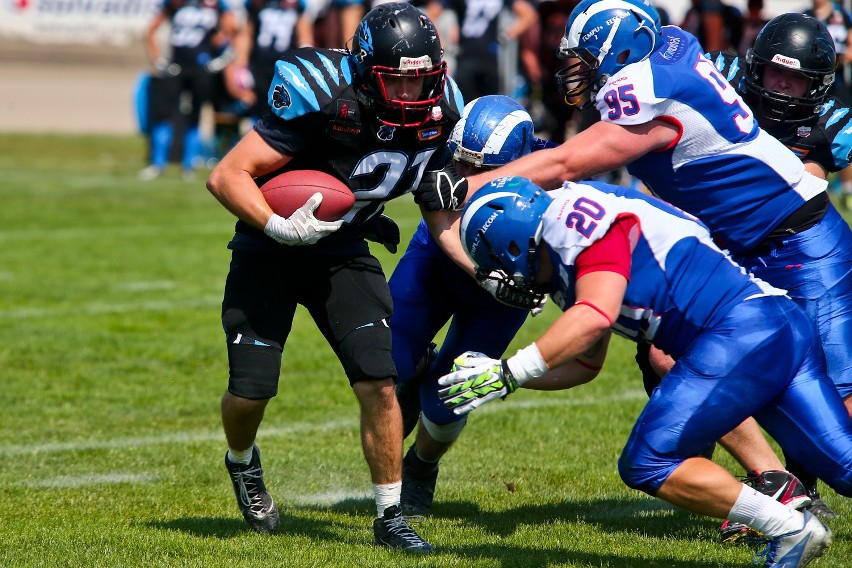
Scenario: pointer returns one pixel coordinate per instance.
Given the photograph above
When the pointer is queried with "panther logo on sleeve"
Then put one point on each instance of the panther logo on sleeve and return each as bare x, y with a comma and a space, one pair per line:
281, 97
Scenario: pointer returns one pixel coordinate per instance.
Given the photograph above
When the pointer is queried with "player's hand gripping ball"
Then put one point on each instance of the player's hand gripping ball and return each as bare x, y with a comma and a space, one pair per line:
289, 191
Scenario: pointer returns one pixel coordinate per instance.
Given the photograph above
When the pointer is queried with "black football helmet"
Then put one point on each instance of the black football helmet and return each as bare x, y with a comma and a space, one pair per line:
793, 42
397, 40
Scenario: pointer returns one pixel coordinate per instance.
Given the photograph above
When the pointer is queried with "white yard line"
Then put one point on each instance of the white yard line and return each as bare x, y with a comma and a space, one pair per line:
12, 450
109, 308
86, 233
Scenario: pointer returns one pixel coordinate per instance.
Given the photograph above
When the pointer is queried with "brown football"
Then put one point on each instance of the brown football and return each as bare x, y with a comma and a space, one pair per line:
288, 191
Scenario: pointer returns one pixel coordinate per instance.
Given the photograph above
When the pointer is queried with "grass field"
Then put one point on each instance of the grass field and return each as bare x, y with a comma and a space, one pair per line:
113, 365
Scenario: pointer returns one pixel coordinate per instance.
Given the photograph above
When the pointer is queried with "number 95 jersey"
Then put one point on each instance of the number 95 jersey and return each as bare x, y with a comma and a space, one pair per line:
722, 167
317, 119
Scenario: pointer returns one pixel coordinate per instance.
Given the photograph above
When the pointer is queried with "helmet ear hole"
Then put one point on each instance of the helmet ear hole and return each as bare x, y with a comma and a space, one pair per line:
514, 249
623, 57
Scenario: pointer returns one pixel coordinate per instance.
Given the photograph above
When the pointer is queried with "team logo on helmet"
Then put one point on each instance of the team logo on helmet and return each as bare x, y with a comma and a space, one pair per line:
366, 43
280, 97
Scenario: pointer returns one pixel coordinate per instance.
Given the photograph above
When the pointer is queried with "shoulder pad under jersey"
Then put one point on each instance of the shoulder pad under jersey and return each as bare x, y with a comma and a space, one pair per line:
307, 80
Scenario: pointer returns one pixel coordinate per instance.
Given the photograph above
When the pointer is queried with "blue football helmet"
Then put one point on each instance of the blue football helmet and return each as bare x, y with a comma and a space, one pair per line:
493, 131
602, 37
501, 229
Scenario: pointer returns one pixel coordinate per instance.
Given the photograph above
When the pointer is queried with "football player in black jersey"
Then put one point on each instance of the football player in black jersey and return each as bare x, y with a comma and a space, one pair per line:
376, 116
785, 79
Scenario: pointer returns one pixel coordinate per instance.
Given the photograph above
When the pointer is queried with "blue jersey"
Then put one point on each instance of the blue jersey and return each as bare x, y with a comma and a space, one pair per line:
723, 168
668, 302
826, 140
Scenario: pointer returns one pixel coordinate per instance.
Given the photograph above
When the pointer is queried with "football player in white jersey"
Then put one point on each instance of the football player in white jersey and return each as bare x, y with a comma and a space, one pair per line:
617, 260
682, 129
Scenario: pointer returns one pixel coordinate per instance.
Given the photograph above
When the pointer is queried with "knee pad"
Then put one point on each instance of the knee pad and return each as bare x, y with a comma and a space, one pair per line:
254, 368
445, 433
366, 354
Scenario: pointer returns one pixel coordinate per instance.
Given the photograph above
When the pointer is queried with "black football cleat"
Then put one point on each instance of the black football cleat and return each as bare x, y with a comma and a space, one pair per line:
255, 503
392, 530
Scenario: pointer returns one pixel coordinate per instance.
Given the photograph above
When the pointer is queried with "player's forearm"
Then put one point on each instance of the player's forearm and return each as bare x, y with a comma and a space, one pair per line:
569, 375
544, 168
239, 194
576, 335
444, 228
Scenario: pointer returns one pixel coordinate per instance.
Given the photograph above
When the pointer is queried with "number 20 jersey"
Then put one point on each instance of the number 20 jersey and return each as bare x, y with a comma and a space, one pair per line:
722, 167
680, 282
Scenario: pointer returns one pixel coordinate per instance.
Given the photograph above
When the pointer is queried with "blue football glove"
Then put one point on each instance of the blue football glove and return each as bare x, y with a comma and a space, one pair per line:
475, 380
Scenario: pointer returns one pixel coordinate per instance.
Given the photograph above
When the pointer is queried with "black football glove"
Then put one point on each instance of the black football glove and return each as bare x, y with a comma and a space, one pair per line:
442, 190
383, 230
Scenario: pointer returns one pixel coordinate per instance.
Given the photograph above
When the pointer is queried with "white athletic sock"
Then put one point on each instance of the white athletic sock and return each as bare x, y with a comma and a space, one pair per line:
241, 456
763, 513
386, 496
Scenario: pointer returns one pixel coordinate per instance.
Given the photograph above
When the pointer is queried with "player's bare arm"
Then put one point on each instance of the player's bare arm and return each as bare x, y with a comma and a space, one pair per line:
444, 228
816, 169
580, 329
232, 180
602, 147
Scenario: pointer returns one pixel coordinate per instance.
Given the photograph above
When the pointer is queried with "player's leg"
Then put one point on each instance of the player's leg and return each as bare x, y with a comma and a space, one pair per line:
747, 445
163, 100
352, 311
201, 86
422, 304
480, 324
758, 347
815, 267
810, 420
257, 311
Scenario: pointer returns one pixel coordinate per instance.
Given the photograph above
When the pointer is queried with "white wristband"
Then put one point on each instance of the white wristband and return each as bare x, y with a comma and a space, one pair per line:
527, 364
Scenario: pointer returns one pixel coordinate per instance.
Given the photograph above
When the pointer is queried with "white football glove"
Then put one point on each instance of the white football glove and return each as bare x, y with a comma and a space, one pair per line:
475, 380
301, 228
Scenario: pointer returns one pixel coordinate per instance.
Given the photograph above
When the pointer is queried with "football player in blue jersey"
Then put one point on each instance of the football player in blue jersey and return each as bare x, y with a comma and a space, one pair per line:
429, 289
377, 117
683, 130
617, 260
786, 78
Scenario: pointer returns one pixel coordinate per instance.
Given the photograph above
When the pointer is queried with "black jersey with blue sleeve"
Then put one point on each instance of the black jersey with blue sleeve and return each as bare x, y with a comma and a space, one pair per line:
317, 119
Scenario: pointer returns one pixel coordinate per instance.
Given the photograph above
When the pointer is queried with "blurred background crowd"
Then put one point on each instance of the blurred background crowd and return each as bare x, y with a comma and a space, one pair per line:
211, 61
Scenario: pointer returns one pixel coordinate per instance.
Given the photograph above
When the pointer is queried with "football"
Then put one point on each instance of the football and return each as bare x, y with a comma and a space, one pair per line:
288, 191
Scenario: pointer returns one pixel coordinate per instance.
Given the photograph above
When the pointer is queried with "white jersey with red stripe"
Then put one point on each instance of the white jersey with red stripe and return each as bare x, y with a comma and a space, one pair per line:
722, 167
668, 300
